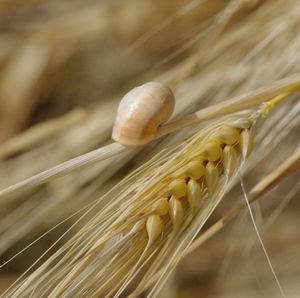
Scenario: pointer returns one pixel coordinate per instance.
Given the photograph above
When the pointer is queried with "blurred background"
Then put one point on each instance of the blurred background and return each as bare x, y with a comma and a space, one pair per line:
64, 65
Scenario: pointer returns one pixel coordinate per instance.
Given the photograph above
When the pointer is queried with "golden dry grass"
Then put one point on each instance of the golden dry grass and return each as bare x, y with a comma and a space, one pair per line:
58, 56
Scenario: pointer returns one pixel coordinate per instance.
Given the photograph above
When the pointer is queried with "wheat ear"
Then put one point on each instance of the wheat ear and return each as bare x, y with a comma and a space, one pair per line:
271, 180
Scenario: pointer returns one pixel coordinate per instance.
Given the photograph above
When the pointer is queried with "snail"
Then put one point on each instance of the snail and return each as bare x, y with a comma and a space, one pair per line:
140, 113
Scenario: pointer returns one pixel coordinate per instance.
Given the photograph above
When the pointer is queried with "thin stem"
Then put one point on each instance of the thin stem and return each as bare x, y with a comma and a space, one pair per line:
260, 238
289, 166
238, 103
64, 168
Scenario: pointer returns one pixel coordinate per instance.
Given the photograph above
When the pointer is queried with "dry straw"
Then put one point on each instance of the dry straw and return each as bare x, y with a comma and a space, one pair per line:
232, 65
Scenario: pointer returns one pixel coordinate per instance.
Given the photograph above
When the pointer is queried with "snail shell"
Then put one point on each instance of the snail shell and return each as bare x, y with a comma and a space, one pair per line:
141, 111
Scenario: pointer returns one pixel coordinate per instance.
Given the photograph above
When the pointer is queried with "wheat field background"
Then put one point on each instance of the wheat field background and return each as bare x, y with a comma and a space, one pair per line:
65, 65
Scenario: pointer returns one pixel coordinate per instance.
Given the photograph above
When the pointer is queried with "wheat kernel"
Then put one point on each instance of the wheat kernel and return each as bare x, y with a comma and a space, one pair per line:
177, 188
154, 227
229, 159
161, 207
246, 143
212, 151
195, 169
176, 212
140, 225
211, 177
228, 134
194, 194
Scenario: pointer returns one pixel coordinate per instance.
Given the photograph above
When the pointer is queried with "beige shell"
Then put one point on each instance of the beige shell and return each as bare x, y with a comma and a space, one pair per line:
141, 111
